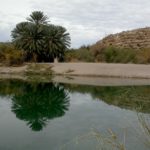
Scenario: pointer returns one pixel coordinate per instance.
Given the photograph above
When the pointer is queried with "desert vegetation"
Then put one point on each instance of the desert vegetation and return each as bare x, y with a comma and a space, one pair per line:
83, 54
37, 40
9, 55
125, 47
108, 54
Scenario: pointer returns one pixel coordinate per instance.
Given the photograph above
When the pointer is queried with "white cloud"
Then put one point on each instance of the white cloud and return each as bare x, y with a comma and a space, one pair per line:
86, 20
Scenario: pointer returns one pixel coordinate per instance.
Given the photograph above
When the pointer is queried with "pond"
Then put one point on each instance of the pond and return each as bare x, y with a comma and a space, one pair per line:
53, 116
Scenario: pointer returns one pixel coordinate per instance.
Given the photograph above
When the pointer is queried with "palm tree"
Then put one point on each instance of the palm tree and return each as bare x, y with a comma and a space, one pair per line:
38, 38
28, 37
58, 40
38, 17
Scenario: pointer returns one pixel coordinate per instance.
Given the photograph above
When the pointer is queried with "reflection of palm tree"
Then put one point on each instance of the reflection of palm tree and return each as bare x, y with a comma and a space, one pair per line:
39, 103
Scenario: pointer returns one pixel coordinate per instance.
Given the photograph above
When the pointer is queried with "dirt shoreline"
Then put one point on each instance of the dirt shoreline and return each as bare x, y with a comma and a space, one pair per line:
85, 69
92, 81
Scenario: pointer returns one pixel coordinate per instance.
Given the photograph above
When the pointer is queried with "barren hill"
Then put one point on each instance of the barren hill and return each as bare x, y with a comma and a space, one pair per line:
134, 39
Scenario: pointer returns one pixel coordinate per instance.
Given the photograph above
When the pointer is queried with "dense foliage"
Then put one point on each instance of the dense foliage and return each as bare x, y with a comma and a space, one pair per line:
41, 40
115, 55
83, 54
108, 54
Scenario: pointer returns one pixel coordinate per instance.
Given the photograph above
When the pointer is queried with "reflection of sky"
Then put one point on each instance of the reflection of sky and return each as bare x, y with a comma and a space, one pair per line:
76, 99
5, 103
87, 21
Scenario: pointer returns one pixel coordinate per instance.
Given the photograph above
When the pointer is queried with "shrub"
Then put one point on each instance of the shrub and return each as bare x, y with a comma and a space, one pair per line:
119, 55
143, 56
83, 54
71, 56
14, 58
11, 56
108, 54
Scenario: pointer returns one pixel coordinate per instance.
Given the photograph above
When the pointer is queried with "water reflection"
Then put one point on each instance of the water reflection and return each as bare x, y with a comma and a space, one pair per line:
37, 103
135, 98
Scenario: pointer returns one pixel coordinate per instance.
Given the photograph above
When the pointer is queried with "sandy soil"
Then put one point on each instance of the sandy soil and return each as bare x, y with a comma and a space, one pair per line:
101, 81
103, 69
12, 70
89, 69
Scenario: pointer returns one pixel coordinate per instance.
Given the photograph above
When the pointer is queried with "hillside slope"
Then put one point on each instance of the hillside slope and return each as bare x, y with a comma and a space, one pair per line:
125, 47
134, 39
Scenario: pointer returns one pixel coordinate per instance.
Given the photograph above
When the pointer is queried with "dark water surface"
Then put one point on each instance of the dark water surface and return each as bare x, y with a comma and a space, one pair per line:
53, 116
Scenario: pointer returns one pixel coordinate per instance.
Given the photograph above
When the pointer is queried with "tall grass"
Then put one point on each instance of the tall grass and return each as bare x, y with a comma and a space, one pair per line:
109, 141
144, 121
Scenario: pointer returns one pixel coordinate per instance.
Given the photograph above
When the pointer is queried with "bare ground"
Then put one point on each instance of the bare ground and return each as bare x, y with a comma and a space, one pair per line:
103, 70
87, 69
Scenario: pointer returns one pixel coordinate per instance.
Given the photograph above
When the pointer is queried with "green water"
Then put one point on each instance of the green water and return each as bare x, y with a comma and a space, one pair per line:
53, 116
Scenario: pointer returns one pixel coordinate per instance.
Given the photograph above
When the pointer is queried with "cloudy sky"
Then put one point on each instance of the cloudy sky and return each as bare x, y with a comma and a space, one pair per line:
87, 21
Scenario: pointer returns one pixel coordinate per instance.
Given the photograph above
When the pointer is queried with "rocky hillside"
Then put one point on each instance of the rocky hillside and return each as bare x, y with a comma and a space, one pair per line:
134, 39
125, 47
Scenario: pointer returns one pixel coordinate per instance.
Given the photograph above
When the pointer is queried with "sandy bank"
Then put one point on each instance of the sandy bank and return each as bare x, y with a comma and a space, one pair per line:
103, 70
87, 69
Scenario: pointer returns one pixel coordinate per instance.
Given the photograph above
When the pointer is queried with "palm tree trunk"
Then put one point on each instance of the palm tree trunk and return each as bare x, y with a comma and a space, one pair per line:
34, 57
55, 60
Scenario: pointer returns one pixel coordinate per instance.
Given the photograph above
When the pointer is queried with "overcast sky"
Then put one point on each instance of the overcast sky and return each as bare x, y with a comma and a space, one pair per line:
87, 21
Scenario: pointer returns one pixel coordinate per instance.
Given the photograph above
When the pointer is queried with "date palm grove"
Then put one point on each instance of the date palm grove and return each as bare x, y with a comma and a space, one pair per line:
41, 40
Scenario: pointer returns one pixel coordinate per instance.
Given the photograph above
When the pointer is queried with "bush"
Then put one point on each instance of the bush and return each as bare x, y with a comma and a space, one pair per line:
71, 56
14, 58
83, 54
11, 56
118, 55
143, 56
